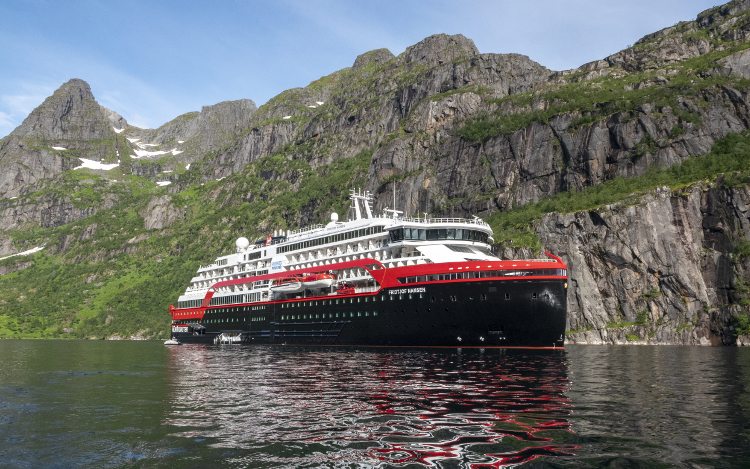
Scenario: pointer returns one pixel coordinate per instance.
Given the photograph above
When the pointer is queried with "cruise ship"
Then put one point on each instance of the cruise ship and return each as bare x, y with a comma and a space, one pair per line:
376, 280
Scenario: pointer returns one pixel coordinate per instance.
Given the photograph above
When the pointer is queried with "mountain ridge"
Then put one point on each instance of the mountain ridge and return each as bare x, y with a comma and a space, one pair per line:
456, 132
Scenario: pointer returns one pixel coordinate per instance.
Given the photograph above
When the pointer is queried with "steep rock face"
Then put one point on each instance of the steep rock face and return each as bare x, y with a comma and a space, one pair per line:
47, 212
196, 134
69, 119
377, 56
435, 167
661, 271
683, 41
439, 49
160, 213
377, 96
544, 159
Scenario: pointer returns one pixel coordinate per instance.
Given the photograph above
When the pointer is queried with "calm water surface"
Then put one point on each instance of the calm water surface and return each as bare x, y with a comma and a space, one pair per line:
111, 404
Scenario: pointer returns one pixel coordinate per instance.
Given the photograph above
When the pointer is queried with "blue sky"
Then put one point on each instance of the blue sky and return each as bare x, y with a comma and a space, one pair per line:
153, 60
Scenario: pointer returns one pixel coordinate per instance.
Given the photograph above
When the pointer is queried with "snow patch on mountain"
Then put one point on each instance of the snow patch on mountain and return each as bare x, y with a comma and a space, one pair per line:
24, 253
145, 153
91, 164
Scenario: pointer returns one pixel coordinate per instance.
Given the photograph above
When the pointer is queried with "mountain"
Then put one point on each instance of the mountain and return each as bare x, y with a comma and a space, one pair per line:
634, 168
68, 123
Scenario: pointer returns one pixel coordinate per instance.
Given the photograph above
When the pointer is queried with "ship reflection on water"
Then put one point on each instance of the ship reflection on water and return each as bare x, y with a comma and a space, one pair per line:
294, 407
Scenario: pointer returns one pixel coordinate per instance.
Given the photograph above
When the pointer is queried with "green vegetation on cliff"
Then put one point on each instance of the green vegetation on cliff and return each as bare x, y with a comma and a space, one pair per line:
730, 159
594, 100
115, 278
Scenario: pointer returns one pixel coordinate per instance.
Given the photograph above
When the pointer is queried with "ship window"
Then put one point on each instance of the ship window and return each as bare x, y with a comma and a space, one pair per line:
367, 314
507, 296
453, 298
359, 314
533, 296
374, 313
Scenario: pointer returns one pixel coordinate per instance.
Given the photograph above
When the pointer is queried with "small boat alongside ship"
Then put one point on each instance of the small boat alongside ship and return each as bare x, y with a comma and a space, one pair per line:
385, 280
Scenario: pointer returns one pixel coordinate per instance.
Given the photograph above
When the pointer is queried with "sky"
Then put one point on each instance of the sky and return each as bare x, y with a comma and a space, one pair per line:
152, 60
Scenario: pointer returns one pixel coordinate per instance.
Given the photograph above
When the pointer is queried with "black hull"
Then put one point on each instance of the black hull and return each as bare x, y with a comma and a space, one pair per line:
518, 313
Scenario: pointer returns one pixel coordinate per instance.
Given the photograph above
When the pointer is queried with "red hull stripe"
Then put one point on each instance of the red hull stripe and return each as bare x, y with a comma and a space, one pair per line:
388, 277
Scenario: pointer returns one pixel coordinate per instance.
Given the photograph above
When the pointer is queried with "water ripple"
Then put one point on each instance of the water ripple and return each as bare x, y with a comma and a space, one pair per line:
484, 409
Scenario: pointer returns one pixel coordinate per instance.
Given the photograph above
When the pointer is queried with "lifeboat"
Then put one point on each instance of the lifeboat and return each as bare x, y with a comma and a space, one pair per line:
345, 288
287, 285
318, 281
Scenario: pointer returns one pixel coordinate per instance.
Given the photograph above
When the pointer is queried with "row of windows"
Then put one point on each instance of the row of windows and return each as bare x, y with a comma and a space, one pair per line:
233, 320
434, 234
482, 274
251, 256
342, 301
189, 303
226, 300
331, 239
236, 310
340, 315
351, 314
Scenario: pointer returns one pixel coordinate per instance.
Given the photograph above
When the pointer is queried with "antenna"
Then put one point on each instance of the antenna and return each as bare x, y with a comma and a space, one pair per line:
394, 213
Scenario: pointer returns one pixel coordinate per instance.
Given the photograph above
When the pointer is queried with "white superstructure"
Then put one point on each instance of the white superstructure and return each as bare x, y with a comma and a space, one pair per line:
390, 238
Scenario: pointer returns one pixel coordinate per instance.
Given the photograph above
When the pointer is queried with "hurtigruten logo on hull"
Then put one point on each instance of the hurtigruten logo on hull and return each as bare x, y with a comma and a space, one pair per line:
365, 281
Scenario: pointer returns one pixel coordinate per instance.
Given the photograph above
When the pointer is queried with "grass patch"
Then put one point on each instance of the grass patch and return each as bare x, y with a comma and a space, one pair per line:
730, 157
742, 324
117, 278
592, 100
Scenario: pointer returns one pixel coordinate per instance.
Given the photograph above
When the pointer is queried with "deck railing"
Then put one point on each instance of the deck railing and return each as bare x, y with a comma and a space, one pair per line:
468, 221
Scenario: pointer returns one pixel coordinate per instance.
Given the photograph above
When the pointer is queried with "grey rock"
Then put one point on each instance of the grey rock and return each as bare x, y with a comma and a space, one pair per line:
377, 56
662, 267
439, 49
161, 213
737, 64
69, 119
197, 134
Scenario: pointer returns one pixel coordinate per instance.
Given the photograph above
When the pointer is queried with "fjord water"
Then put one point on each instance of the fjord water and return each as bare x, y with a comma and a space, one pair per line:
110, 404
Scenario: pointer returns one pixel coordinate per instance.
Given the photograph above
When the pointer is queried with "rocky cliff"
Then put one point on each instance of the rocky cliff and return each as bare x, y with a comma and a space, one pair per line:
666, 270
68, 124
566, 160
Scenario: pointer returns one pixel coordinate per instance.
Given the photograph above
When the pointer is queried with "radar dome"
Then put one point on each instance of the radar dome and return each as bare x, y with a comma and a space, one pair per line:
242, 243
334, 217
